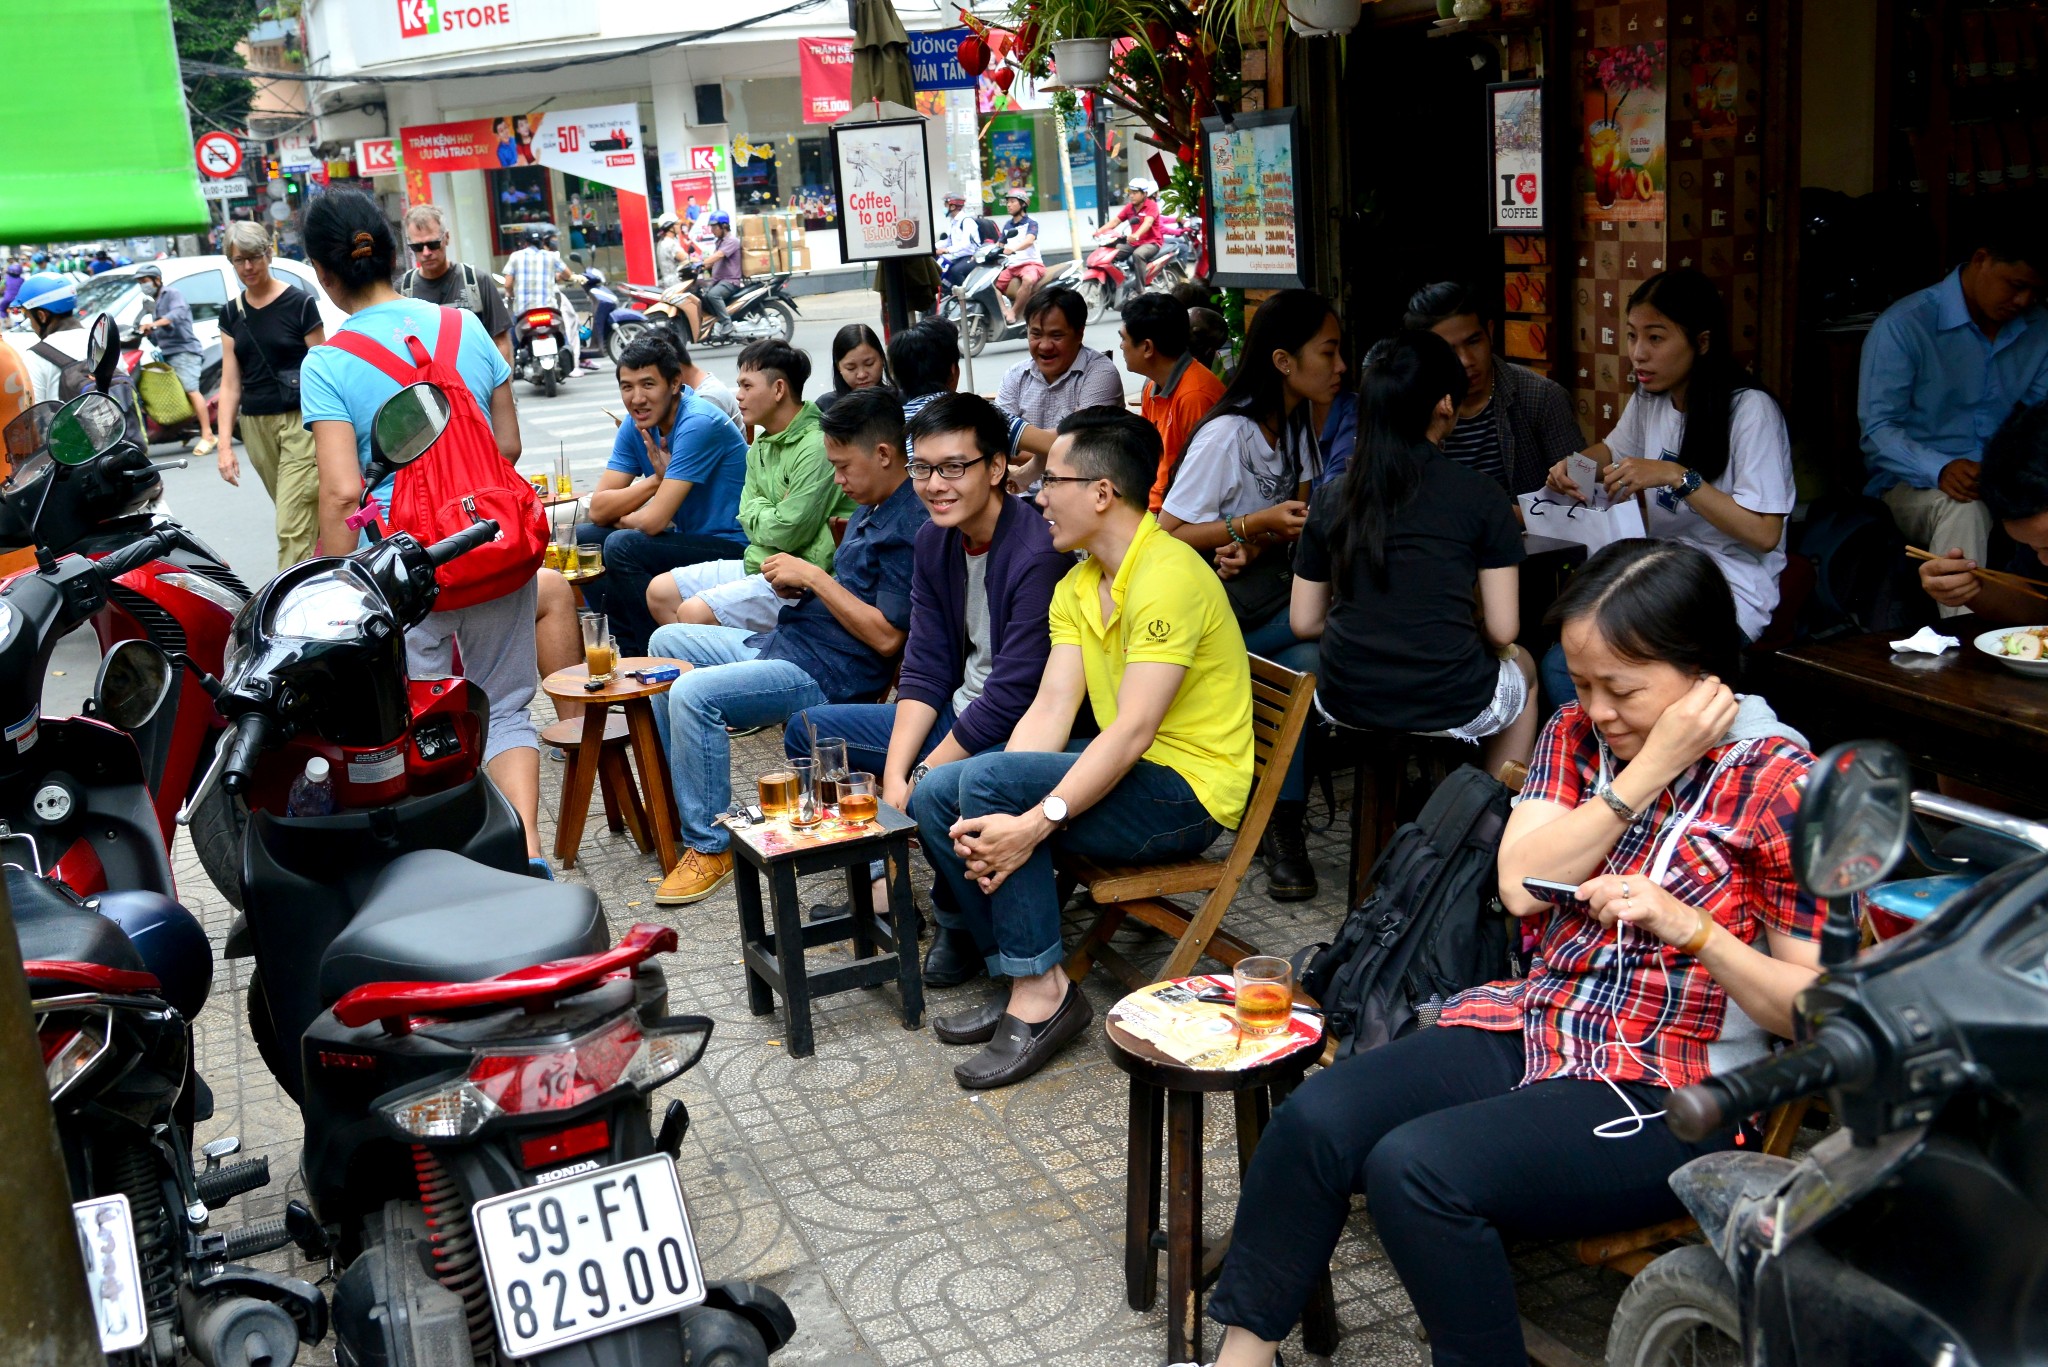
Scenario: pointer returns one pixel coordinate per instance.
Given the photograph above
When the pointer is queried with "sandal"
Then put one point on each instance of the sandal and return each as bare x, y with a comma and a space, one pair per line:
205, 446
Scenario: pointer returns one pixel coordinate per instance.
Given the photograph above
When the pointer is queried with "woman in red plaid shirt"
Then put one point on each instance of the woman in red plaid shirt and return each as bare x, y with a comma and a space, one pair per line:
1534, 1107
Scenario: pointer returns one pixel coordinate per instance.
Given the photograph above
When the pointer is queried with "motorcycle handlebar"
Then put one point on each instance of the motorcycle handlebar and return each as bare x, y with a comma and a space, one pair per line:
1837, 1056
463, 542
133, 557
251, 736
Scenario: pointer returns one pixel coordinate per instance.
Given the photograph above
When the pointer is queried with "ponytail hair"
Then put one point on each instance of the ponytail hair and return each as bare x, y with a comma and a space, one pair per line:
347, 236
1405, 377
1691, 301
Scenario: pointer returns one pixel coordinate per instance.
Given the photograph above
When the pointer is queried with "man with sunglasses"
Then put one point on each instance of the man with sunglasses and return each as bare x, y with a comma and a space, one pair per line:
980, 588
438, 280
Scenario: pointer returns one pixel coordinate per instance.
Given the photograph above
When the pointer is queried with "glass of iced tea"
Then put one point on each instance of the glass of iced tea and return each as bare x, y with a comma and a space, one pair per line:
777, 790
590, 557
859, 800
1265, 993
830, 753
600, 656
564, 487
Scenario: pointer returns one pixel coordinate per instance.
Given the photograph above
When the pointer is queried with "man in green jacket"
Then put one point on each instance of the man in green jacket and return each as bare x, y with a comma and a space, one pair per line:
786, 506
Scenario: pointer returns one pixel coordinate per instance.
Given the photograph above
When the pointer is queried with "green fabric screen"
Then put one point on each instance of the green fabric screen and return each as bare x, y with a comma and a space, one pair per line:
94, 133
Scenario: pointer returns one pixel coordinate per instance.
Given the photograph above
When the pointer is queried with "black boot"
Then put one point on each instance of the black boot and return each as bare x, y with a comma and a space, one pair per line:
953, 959
1289, 875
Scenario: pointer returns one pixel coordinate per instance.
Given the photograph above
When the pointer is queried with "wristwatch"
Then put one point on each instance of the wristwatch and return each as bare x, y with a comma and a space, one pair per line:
1615, 802
1055, 809
917, 774
1690, 485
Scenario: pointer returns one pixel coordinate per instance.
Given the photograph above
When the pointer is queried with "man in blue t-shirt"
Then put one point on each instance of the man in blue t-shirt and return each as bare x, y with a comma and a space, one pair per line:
653, 519
837, 641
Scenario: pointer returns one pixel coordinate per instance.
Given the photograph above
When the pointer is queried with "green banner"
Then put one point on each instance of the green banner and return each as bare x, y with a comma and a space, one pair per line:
92, 114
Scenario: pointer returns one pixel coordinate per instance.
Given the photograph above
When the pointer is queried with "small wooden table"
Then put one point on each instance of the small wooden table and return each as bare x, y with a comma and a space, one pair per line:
775, 959
1164, 1090
633, 698
1962, 714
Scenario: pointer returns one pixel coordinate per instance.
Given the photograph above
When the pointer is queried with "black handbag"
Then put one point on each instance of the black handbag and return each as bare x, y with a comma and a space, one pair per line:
1262, 588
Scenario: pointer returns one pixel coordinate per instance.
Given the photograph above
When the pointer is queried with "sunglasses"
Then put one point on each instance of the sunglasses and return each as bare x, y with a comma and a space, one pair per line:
430, 245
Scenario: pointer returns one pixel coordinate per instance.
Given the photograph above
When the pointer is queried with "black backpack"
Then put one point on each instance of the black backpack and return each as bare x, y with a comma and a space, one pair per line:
74, 377
1431, 926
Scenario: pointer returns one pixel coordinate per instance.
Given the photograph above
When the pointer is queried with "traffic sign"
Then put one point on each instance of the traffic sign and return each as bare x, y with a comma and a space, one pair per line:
224, 189
220, 155
376, 157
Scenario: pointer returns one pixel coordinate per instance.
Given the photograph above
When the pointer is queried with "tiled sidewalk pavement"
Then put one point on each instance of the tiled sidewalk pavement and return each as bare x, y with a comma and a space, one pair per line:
904, 1220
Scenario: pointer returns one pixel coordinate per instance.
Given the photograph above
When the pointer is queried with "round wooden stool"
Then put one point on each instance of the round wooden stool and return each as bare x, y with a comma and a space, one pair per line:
633, 700
1165, 1090
622, 805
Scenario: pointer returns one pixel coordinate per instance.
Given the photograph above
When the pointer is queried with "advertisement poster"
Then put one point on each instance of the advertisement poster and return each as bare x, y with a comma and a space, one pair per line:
1515, 114
934, 61
1623, 177
694, 194
1012, 155
1254, 227
826, 68
885, 195
1716, 85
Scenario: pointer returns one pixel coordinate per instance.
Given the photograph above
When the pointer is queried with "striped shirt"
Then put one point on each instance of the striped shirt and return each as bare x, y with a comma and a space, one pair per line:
1588, 989
1475, 442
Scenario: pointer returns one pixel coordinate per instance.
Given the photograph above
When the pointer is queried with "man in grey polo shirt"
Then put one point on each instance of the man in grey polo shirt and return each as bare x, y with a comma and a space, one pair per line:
439, 279
1062, 376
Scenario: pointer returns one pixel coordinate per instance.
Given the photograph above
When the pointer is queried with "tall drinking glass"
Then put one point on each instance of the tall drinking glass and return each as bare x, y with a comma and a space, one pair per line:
806, 812
600, 656
830, 754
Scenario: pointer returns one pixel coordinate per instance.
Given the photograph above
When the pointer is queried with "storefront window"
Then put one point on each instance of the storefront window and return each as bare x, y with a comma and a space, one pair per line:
519, 196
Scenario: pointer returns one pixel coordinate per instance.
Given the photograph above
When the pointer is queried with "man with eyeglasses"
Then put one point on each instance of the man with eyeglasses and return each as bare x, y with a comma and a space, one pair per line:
980, 589
1146, 639
437, 279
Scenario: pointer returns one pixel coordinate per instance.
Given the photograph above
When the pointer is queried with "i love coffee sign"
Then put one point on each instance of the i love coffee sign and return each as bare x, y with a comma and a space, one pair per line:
1516, 184
885, 208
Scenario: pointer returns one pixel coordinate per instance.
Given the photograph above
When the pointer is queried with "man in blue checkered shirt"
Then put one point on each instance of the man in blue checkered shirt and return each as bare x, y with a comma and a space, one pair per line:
532, 272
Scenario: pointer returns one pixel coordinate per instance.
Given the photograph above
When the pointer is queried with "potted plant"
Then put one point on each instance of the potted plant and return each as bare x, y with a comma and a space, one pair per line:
1076, 34
1322, 18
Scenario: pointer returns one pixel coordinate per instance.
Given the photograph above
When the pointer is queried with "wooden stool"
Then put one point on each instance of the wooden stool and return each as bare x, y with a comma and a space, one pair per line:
775, 959
622, 805
1164, 1090
632, 698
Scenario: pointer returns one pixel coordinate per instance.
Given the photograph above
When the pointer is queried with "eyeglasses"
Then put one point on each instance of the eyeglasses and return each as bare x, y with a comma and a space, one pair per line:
433, 244
948, 470
1077, 479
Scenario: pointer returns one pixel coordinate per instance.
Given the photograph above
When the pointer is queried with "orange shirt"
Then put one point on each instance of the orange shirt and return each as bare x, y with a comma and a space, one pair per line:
17, 392
1190, 393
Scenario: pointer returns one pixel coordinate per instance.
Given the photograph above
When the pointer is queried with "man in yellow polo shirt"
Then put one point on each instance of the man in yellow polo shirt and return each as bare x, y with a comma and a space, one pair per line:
1142, 630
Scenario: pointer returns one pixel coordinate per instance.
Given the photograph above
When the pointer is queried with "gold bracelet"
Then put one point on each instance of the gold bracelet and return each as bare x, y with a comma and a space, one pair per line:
1700, 937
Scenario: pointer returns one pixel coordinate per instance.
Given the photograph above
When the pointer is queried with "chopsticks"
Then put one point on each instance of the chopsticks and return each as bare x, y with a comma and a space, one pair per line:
2032, 588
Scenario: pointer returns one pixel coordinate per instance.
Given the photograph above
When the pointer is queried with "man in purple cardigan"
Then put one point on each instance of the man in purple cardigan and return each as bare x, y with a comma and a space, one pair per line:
980, 599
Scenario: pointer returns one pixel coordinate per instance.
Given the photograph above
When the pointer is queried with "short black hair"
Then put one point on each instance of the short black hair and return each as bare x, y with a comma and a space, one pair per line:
1071, 306
1208, 330
1432, 304
964, 413
792, 365
1159, 319
2013, 481
865, 417
348, 235
923, 356
1657, 602
652, 348
2008, 232
1113, 443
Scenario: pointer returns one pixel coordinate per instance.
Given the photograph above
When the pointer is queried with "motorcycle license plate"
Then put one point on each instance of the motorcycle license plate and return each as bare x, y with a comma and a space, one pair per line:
545, 346
574, 1259
113, 1273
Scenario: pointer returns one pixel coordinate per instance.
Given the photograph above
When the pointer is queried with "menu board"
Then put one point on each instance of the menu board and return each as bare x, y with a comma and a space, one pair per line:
1255, 216
885, 192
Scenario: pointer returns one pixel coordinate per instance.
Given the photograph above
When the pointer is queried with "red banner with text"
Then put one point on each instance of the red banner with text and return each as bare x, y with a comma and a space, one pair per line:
826, 65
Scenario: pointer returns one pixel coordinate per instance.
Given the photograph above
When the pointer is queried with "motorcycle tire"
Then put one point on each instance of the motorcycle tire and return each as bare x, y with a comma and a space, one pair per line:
1096, 296
976, 327
722, 1338
783, 317
623, 336
263, 1032
1168, 280
1681, 1308
549, 384
217, 830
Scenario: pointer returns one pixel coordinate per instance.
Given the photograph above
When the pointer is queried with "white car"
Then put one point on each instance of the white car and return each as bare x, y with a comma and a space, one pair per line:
207, 282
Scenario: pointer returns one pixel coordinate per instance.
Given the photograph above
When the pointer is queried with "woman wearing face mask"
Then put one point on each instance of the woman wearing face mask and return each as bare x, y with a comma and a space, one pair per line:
1702, 444
1534, 1106
1240, 495
857, 363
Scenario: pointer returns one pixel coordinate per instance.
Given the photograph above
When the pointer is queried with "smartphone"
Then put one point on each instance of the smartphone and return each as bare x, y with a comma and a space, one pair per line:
1557, 894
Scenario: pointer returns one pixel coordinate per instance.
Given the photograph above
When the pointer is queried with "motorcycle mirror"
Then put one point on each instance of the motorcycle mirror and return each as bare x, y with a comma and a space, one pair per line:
86, 427
409, 422
101, 354
29, 432
135, 678
1853, 818
576, 257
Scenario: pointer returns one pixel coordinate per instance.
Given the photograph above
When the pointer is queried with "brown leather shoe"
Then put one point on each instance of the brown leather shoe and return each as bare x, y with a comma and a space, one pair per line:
1018, 1050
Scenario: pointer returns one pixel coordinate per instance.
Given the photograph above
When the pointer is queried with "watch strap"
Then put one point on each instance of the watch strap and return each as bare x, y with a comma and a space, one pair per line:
1615, 802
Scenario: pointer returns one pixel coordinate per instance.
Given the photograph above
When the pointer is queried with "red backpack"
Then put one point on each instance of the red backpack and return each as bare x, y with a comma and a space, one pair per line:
461, 480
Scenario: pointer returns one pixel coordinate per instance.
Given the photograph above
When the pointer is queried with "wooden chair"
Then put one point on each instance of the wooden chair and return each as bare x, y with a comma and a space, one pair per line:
1280, 704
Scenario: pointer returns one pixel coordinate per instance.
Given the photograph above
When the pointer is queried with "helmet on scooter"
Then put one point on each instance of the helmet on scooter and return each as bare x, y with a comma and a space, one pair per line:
1018, 197
721, 219
1143, 184
51, 293
954, 199
170, 942
666, 221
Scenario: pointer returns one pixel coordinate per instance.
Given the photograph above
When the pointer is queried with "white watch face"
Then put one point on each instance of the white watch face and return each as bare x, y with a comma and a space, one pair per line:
1055, 809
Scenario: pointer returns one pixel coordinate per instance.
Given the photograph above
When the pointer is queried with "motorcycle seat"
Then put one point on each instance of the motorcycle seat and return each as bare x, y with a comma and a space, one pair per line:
435, 916
52, 924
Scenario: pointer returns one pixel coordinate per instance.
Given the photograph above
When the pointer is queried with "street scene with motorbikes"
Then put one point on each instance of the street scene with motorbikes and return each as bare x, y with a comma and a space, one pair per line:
1037, 682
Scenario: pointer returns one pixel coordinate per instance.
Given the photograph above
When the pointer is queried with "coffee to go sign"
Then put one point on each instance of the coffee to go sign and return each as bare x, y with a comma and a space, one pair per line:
885, 197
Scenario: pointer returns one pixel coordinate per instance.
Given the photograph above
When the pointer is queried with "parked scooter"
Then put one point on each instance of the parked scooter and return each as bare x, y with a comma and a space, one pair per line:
183, 600
116, 977
456, 1032
976, 305
1918, 1233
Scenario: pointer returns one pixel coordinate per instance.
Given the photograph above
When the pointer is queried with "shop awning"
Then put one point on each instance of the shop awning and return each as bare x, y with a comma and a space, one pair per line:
95, 130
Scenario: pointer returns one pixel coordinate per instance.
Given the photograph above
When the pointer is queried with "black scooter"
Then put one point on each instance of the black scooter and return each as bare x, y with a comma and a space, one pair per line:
1918, 1232
473, 1063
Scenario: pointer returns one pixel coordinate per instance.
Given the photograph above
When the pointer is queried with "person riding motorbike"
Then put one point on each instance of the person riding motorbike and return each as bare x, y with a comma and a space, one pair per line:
1024, 263
532, 272
1138, 218
725, 274
957, 244
668, 250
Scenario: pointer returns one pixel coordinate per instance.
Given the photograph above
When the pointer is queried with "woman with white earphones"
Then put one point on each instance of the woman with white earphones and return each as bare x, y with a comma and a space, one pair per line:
1663, 804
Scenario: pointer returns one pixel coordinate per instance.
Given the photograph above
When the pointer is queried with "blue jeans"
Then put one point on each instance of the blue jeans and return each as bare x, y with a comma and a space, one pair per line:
631, 560
730, 686
865, 727
1152, 816
1276, 641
